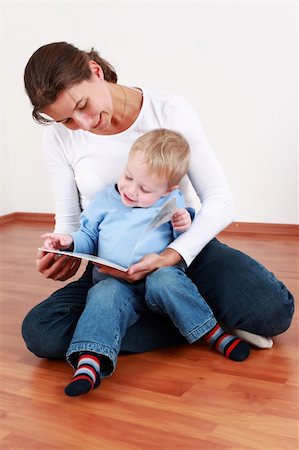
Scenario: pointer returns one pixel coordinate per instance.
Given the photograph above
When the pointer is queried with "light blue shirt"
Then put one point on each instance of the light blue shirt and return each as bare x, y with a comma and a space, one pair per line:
112, 230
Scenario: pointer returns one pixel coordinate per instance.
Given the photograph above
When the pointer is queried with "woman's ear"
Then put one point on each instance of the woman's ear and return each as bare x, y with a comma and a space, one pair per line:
96, 69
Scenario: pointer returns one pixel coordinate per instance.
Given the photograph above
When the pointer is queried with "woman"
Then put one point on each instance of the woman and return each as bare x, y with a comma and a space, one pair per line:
95, 121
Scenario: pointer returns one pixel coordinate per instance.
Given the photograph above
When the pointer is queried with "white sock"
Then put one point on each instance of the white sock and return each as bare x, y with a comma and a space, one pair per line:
254, 339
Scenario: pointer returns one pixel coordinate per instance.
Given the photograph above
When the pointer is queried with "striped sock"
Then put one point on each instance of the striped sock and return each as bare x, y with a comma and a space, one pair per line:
231, 346
86, 377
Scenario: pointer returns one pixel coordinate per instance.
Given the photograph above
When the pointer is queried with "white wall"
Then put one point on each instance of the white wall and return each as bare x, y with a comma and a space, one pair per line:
236, 62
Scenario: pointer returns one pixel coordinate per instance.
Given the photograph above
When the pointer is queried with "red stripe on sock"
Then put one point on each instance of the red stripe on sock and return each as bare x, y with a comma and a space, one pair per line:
212, 331
83, 377
86, 366
89, 356
220, 340
231, 347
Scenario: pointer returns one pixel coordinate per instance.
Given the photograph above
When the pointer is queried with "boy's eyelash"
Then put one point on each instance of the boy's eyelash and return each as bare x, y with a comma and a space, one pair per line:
145, 191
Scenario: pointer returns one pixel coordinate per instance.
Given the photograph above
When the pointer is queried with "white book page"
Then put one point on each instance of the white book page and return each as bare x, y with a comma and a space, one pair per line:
92, 258
164, 215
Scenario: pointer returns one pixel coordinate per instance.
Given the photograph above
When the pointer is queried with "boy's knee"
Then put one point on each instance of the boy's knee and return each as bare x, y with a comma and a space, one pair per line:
108, 290
159, 278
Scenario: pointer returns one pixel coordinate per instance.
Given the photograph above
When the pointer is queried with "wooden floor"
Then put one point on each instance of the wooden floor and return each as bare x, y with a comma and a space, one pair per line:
187, 397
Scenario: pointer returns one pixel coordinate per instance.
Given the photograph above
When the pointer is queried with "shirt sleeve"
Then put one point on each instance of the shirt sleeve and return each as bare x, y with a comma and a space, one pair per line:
208, 179
62, 182
86, 238
181, 204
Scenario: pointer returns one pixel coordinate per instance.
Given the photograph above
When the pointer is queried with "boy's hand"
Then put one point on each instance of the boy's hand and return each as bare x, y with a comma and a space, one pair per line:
57, 241
181, 220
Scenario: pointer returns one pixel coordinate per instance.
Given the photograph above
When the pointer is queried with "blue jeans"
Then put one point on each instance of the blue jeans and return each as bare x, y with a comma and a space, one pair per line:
112, 306
241, 293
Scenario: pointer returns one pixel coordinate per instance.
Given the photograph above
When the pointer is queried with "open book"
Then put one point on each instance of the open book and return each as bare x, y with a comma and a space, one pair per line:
162, 216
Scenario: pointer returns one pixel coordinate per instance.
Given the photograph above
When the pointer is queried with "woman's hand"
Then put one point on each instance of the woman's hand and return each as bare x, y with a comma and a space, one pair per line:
146, 265
57, 267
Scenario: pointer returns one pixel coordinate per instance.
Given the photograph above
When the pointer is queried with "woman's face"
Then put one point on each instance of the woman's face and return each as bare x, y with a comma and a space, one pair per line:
85, 106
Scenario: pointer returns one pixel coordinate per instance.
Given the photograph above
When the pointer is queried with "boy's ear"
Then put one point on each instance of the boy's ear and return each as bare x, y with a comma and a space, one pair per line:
170, 189
96, 69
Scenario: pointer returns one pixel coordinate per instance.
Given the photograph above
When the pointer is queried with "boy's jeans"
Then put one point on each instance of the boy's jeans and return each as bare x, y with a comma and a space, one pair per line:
113, 306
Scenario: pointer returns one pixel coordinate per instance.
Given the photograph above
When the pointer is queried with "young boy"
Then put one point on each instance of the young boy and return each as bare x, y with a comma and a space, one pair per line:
111, 226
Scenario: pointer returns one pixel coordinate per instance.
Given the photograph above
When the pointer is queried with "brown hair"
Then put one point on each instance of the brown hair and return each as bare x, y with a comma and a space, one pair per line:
56, 67
166, 152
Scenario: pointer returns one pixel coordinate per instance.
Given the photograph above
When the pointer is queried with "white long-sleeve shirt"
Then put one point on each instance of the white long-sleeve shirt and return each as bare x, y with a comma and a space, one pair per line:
81, 163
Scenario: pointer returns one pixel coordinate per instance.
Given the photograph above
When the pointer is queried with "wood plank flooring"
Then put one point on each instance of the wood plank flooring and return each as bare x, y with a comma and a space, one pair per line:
187, 397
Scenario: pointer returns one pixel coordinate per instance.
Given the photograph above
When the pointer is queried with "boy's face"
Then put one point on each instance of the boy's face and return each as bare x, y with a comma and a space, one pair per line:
137, 188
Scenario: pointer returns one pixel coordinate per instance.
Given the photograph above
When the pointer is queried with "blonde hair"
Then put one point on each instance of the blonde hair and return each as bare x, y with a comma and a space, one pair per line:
166, 153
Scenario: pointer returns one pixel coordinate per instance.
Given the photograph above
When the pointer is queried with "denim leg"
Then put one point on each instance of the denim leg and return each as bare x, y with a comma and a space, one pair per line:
170, 291
48, 328
112, 306
241, 292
